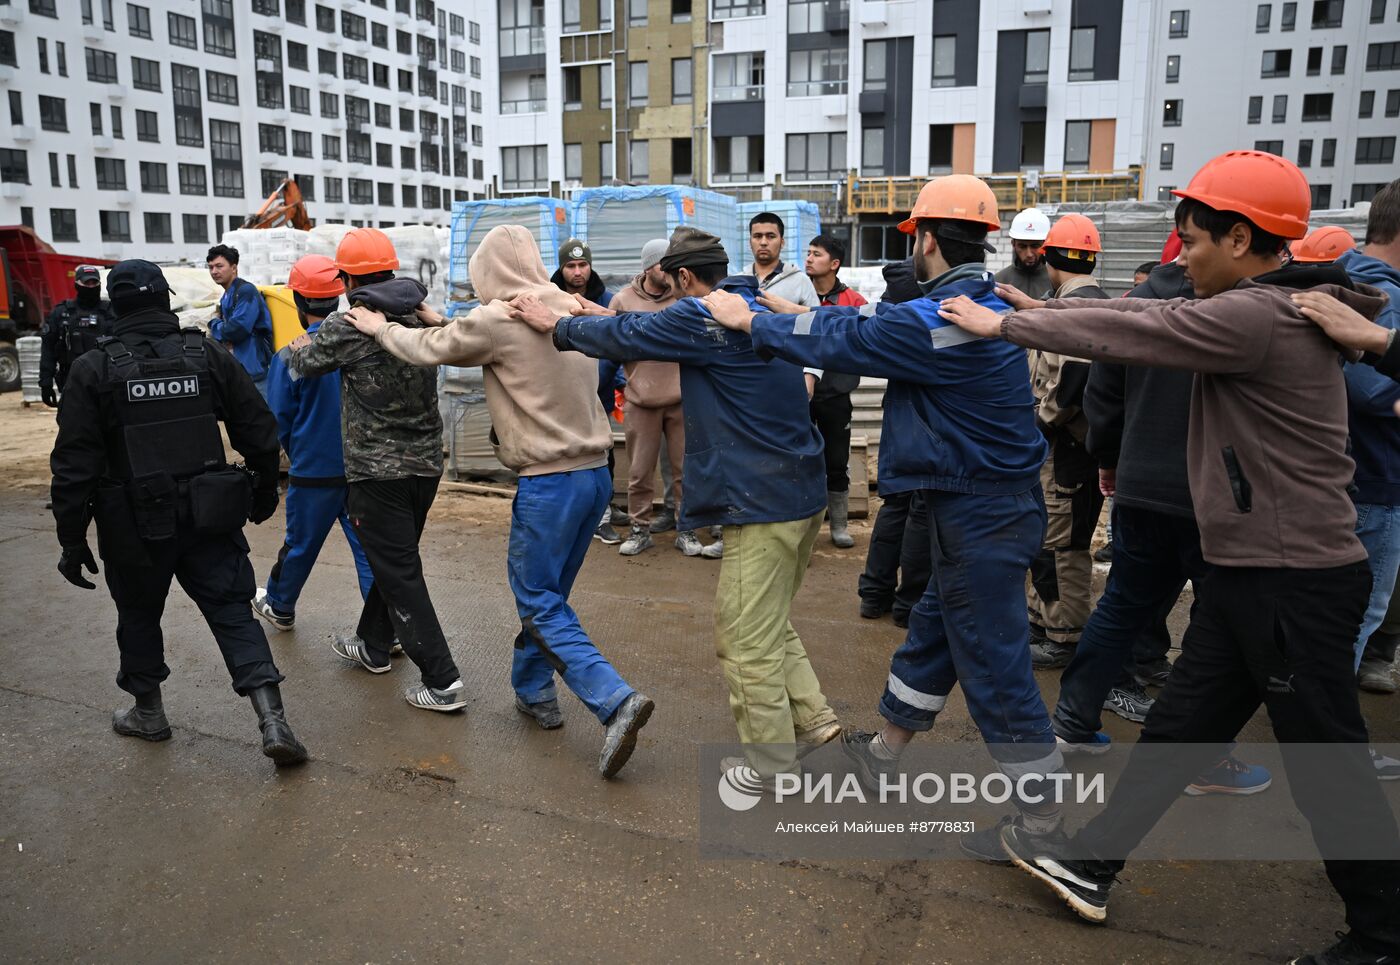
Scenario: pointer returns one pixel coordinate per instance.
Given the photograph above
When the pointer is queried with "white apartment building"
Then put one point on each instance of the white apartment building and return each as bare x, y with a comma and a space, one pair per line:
1316, 81
147, 129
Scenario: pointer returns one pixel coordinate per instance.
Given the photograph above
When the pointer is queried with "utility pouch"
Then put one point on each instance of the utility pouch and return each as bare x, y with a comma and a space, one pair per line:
152, 499
220, 501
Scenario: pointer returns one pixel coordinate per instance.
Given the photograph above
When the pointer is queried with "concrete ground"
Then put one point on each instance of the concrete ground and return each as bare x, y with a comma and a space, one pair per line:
417, 837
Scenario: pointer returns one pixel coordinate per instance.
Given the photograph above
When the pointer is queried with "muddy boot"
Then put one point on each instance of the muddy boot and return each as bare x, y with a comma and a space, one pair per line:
837, 504
278, 741
146, 720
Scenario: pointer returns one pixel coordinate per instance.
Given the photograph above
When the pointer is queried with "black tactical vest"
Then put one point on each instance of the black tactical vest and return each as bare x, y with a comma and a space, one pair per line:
163, 407
82, 327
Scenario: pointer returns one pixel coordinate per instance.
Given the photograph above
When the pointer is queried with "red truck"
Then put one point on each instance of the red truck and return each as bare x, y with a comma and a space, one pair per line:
33, 279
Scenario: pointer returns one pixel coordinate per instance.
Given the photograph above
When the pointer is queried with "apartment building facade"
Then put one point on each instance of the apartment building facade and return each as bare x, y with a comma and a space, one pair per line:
1316, 81
147, 129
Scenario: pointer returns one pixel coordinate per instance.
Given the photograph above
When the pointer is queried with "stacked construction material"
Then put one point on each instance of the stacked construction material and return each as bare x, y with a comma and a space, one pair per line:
546, 218
616, 222
801, 223
266, 255
30, 347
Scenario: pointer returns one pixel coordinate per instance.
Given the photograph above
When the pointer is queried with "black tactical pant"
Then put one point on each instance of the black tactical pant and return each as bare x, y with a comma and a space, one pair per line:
217, 575
898, 564
832, 417
388, 516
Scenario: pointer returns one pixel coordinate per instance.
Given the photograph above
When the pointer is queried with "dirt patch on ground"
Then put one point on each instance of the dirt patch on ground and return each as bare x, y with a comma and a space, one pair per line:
26, 439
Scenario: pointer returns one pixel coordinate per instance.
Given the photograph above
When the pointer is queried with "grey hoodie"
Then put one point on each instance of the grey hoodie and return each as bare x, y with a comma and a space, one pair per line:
790, 282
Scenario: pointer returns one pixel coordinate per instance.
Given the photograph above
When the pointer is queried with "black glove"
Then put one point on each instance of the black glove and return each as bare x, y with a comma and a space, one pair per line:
71, 564
264, 504
49, 395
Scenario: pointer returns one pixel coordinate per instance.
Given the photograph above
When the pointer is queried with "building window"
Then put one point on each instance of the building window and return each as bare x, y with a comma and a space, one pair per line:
682, 161
117, 121
330, 147
573, 162
1305, 153
1037, 57
738, 158
738, 77
1032, 144
1167, 157
101, 66
1077, 134
352, 26
386, 194
218, 27
301, 144
1256, 110
63, 224
872, 151
1314, 61
1321, 196
1277, 63
72, 170
730, 9
53, 113
1269, 147
95, 115
1378, 11
572, 16
875, 68
524, 168
1289, 17
1318, 107
1329, 152
680, 11
194, 229
147, 126
817, 71
522, 27
816, 157
681, 90
383, 116
408, 157
157, 227
300, 99
1339, 60
638, 82
114, 225
1179, 23
46, 8
639, 161
325, 19
356, 68
223, 88
940, 149
1365, 192
1262, 15
145, 74
1375, 150
138, 21
1383, 56
193, 180
1392, 103
1280, 111
945, 61
14, 166
475, 66
1174, 68
330, 104
379, 35
474, 31
111, 174
335, 190
384, 155
1081, 53
154, 178
226, 153
1326, 13
1367, 108
636, 13
8, 56
478, 135
409, 192
1171, 113
605, 163
816, 16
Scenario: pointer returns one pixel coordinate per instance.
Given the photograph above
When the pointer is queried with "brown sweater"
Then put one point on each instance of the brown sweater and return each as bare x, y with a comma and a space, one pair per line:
545, 414
1266, 448
651, 385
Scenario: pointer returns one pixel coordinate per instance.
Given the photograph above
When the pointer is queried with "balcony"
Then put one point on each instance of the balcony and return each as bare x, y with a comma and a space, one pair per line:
115, 92
747, 92
530, 105
13, 189
586, 48
22, 133
522, 41
93, 33
1013, 191
102, 142
816, 88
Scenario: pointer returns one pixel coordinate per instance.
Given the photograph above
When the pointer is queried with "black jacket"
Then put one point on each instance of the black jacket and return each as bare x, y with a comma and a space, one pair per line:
54, 360
1138, 419
86, 429
595, 291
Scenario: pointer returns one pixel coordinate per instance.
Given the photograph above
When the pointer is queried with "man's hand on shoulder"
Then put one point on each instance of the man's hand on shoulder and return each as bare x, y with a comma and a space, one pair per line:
528, 308
1018, 299
369, 322
300, 342
585, 307
970, 316
778, 304
1342, 323
731, 310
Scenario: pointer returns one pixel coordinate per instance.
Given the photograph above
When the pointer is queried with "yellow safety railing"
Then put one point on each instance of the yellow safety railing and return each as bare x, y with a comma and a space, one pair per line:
1013, 191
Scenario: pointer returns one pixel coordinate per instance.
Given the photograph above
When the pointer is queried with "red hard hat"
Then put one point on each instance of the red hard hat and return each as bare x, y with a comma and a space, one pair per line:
1075, 232
1323, 245
364, 251
1171, 248
955, 197
1267, 189
316, 276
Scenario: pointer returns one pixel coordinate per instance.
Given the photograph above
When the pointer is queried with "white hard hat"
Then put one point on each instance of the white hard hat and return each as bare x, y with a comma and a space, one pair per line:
1030, 225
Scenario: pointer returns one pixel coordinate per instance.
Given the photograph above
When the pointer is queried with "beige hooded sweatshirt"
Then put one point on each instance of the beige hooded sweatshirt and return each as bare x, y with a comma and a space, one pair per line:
545, 413
651, 385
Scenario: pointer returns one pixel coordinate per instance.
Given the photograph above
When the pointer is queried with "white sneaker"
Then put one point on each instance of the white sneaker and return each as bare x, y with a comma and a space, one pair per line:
430, 698
714, 551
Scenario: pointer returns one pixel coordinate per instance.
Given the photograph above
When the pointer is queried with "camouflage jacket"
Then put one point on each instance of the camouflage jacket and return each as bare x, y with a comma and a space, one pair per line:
389, 414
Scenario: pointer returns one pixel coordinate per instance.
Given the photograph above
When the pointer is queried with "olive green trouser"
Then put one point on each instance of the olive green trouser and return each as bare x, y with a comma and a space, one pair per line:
773, 691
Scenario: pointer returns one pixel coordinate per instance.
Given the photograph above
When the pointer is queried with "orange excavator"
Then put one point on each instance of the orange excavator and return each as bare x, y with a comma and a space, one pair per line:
282, 209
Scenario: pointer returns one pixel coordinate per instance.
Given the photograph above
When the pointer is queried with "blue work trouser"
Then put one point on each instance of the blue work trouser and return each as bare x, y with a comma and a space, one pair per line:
551, 525
311, 512
1154, 554
970, 627
1378, 528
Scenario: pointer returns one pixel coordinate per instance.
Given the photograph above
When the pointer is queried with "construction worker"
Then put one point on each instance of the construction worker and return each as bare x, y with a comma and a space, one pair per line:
556, 438
393, 463
1059, 597
1322, 246
1027, 270
308, 427
959, 431
72, 328
242, 320
140, 453
1276, 620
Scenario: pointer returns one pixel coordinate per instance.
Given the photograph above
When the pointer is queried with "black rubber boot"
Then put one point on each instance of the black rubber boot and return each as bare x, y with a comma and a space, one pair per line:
146, 720
278, 741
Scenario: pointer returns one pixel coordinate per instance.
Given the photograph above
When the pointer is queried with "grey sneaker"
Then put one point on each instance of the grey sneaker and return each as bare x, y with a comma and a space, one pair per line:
620, 737
664, 521
546, 713
815, 737
618, 518
715, 551
985, 845
355, 650
1129, 701
1387, 768
606, 535
273, 618
688, 543
638, 540
430, 698
856, 745
1154, 674
1375, 677
1048, 655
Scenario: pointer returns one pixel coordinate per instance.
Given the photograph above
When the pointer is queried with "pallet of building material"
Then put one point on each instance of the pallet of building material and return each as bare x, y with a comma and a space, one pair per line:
547, 219
801, 223
617, 221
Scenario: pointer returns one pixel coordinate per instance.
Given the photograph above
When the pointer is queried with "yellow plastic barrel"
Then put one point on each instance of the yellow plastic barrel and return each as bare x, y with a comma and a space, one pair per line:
285, 324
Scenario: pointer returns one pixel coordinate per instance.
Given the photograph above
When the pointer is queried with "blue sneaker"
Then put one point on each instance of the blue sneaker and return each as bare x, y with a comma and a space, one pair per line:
1099, 743
1231, 776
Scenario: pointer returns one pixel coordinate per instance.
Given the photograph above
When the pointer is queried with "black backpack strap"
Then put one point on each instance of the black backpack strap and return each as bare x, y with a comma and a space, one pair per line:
193, 340
116, 351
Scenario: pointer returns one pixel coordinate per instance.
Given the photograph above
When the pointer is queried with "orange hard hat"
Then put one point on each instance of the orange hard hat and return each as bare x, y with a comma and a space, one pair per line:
1323, 245
1075, 232
364, 251
958, 197
316, 276
1267, 189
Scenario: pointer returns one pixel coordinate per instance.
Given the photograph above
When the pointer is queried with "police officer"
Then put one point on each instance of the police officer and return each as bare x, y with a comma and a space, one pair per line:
139, 451
72, 328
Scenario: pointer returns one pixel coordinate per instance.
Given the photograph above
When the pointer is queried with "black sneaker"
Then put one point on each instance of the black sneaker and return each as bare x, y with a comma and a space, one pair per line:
855, 744
618, 518
272, 617
1153, 674
606, 535
663, 522
1083, 885
1048, 655
1129, 701
871, 610
546, 713
900, 618
1104, 554
1348, 951
986, 845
